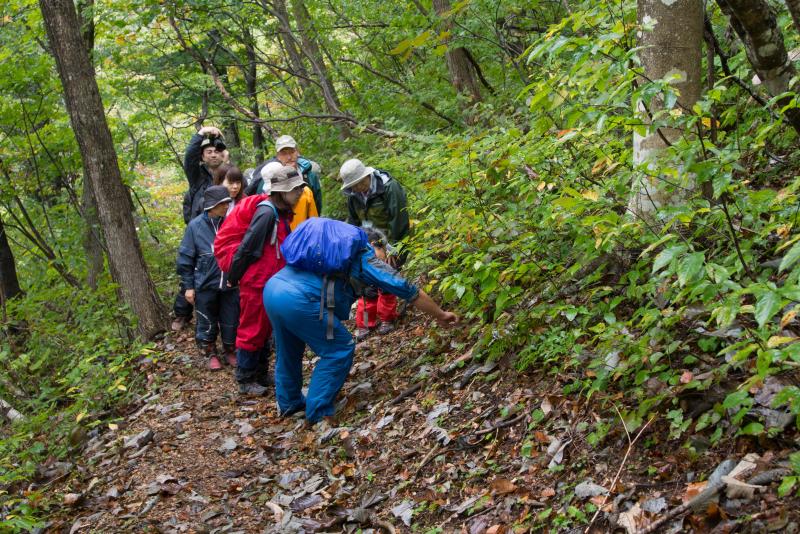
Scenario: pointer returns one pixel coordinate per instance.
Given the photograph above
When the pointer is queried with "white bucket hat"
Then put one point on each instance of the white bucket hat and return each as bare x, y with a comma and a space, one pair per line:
352, 172
267, 172
285, 141
285, 179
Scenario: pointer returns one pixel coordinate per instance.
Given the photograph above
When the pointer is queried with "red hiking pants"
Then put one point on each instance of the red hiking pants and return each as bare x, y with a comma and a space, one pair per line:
384, 308
254, 327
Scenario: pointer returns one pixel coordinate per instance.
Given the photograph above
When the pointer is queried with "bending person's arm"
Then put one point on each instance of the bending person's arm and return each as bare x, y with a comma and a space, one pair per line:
428, 306
374, 272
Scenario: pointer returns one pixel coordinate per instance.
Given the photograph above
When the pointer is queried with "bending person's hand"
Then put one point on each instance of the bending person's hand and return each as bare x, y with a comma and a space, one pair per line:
427, 305
447, 319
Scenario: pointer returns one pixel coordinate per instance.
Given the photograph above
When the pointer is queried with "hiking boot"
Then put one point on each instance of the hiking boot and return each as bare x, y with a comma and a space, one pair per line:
252, 388
362, 334
179, 323
385, 328
265, 380
230, 355
214, 364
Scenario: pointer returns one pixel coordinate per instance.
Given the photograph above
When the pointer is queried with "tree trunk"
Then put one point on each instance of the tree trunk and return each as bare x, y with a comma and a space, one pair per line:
87, 116
290, 44
673, 46
755, 23
92, 246
250, 78
309, 37
9, 283
462, 73
794, 11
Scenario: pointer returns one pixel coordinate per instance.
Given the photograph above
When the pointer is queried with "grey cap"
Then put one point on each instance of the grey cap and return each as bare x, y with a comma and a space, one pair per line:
285, 141
285, 179
214, 196
352, 172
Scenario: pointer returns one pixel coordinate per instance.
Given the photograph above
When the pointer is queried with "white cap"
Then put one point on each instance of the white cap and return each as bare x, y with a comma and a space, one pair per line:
268, 171
285, 141
352, 172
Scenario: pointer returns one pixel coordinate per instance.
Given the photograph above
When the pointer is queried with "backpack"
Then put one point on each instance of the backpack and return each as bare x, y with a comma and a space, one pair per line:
232, 232
326, 247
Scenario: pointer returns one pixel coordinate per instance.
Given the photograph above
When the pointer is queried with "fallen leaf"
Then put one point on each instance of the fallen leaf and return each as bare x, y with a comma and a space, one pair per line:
693, 490
503, 486
71, 499
547, 493
404, 511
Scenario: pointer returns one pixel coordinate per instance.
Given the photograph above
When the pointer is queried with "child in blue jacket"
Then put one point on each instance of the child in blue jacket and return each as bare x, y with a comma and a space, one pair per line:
216, 304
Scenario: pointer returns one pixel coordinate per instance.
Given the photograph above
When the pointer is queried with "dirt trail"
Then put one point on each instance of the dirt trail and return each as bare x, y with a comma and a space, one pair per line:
427, 439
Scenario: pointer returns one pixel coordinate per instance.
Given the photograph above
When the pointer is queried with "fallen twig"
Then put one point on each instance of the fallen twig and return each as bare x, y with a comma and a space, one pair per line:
426, 459
631, 443
502, 424
407, 393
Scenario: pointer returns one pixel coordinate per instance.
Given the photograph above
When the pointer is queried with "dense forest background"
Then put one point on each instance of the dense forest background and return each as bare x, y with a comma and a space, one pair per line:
606, 191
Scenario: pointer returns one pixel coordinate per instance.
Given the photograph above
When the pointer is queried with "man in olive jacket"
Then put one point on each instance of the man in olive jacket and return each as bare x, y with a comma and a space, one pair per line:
375, 200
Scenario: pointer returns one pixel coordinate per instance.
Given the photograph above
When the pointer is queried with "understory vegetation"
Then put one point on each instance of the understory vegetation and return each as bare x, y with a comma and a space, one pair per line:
519, 199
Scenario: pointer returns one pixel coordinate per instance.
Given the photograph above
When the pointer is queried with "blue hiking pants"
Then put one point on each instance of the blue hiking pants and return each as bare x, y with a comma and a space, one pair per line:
293, 310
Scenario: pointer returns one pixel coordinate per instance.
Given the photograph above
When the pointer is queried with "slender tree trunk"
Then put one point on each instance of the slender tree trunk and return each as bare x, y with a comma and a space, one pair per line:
92, 246
673, 46
755, 23
309, 37
462, 73
9, 283
87, 116
290, 44
250, 78
794, 11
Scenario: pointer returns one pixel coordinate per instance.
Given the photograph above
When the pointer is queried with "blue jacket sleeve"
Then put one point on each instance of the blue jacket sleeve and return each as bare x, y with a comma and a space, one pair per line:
187, 258
374, 272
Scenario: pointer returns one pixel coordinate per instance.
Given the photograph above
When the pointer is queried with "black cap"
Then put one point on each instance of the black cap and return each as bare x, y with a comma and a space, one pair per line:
214, 196
216, 142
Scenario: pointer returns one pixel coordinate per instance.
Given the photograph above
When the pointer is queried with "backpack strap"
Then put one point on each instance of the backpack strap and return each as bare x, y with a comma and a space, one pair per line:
274, 238
327, 295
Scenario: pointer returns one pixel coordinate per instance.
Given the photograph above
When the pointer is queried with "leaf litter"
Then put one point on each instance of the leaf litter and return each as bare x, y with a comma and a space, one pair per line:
458, 447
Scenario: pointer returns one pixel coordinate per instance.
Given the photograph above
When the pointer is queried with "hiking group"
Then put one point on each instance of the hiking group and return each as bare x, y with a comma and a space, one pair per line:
259, 267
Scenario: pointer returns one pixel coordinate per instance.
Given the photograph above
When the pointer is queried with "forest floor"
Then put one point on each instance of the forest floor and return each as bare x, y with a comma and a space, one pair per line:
428, 440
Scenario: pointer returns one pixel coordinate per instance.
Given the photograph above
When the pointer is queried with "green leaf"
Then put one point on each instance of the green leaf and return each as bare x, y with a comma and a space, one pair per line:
792, 256
666, 256
690, 267
786, 486
735, 399
752, 429
768, 304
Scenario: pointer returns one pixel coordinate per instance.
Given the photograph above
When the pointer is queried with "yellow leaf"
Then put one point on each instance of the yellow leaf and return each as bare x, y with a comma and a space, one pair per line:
113, 426
707, 122
121, 387
777, 341
598, 242
120, 39
541, 186
788, 318
80, 416
590, 195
